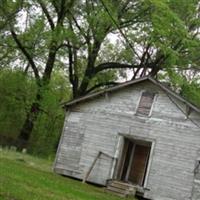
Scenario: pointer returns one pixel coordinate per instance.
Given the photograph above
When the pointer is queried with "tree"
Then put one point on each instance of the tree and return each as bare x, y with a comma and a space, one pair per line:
156, 36
187, 84
162, 35
17, 91
27, 48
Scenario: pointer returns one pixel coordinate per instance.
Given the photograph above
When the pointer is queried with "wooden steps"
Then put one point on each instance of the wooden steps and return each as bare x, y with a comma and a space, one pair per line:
121, 189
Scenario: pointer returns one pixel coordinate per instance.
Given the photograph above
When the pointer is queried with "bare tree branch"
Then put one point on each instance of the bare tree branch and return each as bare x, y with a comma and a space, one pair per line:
114, 65
67, 45
26, 53
46, 12
111, 83
78, 26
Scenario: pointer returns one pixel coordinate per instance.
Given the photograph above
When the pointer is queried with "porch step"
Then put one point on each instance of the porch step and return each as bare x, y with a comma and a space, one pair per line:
120, 188
116, 191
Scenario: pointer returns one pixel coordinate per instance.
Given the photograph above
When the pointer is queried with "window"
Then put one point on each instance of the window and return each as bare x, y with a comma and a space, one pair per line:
145, 103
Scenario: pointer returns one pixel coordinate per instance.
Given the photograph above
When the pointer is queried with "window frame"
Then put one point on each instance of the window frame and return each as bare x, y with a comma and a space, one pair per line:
152, 105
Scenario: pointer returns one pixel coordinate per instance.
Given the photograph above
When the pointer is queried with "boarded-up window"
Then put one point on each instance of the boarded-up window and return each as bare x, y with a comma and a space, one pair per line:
145, 103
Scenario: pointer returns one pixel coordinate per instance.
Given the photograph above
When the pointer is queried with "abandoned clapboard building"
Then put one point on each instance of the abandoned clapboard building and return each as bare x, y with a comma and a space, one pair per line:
139, 133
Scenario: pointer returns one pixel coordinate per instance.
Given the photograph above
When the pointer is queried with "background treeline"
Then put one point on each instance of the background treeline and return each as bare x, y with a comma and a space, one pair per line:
17, 91
56, 50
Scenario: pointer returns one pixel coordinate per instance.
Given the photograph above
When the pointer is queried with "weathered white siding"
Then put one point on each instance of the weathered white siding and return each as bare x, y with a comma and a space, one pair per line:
96, 125
196, 185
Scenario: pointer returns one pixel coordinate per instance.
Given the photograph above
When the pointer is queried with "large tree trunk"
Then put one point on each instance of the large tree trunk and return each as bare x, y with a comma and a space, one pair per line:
61, 9
35, 109
27, 128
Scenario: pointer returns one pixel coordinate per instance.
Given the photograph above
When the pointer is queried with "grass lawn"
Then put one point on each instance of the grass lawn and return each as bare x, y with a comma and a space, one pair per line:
23, 177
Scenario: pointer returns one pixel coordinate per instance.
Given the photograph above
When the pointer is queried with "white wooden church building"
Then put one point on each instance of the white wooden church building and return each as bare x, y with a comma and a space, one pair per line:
140, 133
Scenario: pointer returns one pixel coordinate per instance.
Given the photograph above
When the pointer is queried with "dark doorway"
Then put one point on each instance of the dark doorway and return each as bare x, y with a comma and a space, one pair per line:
134, 162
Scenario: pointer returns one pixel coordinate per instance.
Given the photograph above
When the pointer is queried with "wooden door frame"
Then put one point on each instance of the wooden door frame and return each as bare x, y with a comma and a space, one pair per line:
130, 161
149, 163
121, 159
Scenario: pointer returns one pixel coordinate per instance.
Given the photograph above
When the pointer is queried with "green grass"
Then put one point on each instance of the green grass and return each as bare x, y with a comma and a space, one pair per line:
23, 177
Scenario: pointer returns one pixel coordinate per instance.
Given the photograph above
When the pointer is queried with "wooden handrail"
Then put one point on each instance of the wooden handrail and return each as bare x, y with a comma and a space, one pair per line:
93, 164
112, 157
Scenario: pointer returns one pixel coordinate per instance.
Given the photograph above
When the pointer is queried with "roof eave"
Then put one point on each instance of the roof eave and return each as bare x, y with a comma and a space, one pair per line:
81, 99
169, 91
67, 105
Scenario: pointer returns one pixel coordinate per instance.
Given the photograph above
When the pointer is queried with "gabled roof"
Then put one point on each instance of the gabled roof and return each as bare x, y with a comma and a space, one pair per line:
120, 86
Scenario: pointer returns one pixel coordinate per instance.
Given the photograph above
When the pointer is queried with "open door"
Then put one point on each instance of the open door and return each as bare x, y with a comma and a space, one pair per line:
135, 161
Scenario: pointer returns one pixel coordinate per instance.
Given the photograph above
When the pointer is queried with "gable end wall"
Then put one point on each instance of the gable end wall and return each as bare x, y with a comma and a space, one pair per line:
96, 125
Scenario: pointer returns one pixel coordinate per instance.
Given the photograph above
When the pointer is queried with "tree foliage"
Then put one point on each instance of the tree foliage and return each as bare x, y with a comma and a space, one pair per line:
96, 42
17, 94
186, 85
155, 35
